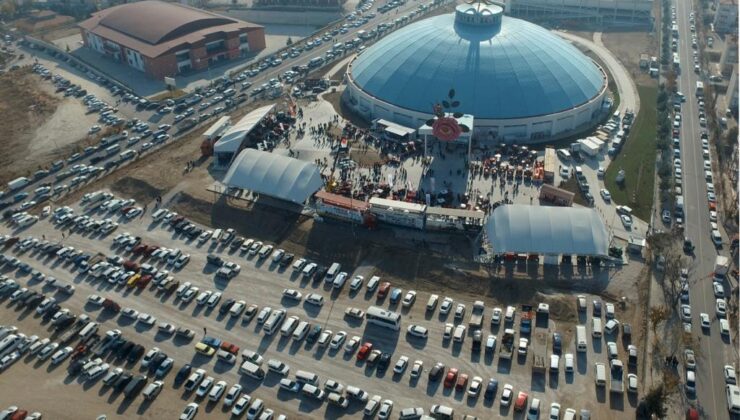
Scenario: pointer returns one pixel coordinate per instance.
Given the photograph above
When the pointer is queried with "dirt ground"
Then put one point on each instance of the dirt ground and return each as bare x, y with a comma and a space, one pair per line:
33, 117
627, 47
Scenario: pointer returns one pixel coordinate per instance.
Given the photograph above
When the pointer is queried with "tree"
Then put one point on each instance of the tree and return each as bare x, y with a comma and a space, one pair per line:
653, 404
8, 7
289, 41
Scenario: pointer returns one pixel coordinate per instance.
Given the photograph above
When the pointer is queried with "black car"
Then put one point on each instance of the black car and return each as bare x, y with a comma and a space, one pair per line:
50, 311
76, 366
557, 342
597, 308
314, 334
491, 389
182, 374
236, 243
215, 260
122, 381
156, 361
117, 344
228, 303
477, 338
136, 385
34, 302
286, 260
136, 352
436, 372
320, 273
688, 246
385, 360
66, 322
26, 297
124, 350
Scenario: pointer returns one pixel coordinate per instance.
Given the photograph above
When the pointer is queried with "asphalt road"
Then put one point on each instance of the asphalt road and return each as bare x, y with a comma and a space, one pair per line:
130, 111
715, 350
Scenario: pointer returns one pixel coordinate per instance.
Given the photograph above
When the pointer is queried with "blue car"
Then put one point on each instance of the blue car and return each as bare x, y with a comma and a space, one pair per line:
396, 294
20, 196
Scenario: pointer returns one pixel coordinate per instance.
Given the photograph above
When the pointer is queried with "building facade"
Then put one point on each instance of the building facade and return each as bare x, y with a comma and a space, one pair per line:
167, 39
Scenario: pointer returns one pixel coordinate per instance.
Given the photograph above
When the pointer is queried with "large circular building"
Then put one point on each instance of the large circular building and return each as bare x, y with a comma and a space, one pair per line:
519, 81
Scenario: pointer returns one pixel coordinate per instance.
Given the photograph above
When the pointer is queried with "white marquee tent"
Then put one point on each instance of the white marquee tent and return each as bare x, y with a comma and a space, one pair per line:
547, 231
275, 175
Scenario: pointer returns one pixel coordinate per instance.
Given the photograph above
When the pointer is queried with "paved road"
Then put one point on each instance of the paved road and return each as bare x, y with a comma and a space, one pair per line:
714, 350
129, 111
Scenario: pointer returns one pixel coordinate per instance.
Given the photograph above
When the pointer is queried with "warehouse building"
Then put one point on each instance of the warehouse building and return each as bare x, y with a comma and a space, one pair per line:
167, 39
602, 12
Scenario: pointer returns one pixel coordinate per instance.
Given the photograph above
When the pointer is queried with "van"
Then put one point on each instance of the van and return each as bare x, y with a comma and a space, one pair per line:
600, 370
581, 342
159, 214
316, 62
564, 154
289, 325
332, 272
307, 377
313, 391
596, 327
252, 370
309, 270
300, 331
273, 322
217, 234
733, 398
111, 150
89, 329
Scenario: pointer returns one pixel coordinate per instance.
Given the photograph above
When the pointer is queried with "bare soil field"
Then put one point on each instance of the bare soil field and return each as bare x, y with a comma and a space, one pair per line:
627, 47
33, 118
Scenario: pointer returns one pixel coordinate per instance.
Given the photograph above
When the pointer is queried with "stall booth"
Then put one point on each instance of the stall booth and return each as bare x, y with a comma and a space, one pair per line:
340, 207
388, 130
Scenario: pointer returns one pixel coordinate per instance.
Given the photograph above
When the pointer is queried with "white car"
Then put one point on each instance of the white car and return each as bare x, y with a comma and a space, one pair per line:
338, 340
356, 282
721, 308
401, 365
446, 306
724, 326
507, 394
626, 221
130, 313
217, 391
315, 299
686, 313
689, 359
475, 386
409, 299
241, 405
386, 407
606, 195
706, 322
417, 368
292, 294
232, 395
146, 319
554, 411
95, 300
417, 331
730, 376
352, 344
496, 316
719, 291
204, 387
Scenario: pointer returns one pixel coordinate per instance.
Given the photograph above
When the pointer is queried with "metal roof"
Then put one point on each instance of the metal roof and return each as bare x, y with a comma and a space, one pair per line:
275, 175
154, 27
515, 71
233, 137
547, 230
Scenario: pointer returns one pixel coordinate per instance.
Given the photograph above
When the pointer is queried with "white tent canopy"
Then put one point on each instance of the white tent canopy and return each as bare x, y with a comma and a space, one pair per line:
275, 175
233, 137
547, 230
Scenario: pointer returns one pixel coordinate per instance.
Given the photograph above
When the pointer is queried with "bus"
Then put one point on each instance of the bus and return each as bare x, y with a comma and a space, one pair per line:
699, 89
383, 318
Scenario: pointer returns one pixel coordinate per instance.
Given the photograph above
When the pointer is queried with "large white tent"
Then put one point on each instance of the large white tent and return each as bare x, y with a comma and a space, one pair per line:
547, 231
275, 175
232, 139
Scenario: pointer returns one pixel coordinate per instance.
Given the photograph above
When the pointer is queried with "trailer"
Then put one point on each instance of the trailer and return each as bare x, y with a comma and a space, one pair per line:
18, 183
476, 315
616, 383
551, 163
539, 363
507, 344
721, 267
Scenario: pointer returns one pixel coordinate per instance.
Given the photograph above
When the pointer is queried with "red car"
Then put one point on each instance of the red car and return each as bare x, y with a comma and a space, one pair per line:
139, 249
143, 281
462, 382
231, 348
451, 378
364, 351
521, 401
130, 266
383, 290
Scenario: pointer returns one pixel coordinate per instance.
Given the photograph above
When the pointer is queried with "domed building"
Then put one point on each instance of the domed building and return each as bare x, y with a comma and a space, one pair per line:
520, 82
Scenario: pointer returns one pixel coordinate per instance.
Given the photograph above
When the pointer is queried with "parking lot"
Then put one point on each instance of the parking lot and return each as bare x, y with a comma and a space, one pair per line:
260, 282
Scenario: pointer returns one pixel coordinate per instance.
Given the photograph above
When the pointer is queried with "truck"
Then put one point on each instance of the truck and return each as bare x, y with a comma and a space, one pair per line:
721, 267
507, 344
18, 183
539, 363
616, 384
71, 333
476, 315
525, 321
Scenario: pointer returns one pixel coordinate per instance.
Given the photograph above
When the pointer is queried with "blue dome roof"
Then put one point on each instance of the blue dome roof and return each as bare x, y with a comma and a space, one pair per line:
509, 69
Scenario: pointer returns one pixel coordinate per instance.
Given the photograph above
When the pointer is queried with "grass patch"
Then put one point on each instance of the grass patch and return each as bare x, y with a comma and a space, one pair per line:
637, 158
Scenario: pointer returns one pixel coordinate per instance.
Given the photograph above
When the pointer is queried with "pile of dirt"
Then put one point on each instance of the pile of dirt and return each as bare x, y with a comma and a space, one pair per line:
139, 190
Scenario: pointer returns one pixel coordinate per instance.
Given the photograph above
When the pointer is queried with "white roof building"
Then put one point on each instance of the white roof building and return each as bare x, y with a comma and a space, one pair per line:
232, 139
547, 231
275, 175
